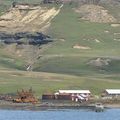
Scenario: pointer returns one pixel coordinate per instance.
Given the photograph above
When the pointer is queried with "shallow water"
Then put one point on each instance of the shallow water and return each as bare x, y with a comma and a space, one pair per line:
110, 114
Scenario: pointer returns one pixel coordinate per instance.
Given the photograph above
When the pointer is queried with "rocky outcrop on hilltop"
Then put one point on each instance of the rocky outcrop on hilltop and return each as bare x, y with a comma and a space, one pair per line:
95, 13
25, 38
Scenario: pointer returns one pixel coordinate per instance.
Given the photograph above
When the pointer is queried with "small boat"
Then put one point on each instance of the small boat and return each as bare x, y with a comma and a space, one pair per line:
99, 107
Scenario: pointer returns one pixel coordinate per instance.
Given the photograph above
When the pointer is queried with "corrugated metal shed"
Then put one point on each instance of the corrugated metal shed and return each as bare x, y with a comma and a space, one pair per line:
113, 91
75, 91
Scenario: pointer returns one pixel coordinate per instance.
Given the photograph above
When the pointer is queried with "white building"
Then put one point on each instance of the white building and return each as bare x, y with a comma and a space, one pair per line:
75, 92
112, 91
76, 95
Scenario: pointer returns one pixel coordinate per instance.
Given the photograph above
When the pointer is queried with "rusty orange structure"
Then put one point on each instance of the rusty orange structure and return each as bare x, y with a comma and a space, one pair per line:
25, 96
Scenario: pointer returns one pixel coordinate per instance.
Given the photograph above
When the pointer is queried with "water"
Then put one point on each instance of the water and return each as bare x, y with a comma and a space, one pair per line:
110, 114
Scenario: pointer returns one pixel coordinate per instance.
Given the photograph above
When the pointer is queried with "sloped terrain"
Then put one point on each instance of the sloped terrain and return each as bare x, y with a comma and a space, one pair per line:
31, 38
95, 13
63, 58
84, 55
28, 18
21, 27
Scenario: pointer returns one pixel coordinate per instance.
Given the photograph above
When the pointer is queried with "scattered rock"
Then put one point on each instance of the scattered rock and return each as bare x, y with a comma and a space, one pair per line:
117, 36
116, 33
96, 40
92, 39
99, 62
115, 25
106, 31
77, 46
63, 40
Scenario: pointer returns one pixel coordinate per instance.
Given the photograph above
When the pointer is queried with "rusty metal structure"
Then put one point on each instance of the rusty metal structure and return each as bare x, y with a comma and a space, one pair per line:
25, 96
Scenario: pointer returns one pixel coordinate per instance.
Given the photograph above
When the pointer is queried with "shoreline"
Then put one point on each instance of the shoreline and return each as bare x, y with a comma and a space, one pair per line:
5, 105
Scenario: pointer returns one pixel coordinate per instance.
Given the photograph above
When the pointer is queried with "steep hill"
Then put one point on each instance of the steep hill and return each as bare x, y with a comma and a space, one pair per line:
99, 39
83, 55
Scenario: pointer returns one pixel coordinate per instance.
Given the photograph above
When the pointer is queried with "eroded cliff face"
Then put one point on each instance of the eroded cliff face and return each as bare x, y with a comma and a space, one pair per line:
23, 27
26, 18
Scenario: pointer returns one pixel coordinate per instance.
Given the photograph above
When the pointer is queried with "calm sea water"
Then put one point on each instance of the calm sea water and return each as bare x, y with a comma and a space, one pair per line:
110, 114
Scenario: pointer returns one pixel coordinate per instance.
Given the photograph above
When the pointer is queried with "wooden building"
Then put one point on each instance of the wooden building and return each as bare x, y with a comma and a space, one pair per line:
48, 97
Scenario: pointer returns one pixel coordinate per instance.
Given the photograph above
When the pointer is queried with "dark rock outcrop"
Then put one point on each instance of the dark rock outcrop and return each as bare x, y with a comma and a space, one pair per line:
25, 38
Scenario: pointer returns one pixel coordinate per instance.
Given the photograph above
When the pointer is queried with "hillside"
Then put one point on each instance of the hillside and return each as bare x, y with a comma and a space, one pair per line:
83, 54
27, 18
95, 13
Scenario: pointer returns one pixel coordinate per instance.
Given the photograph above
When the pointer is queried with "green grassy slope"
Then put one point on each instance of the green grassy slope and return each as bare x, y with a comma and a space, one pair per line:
11, 81
66, 67
60, 57
10, 61
63, 58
